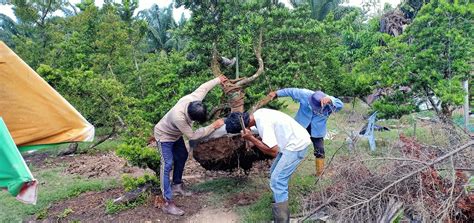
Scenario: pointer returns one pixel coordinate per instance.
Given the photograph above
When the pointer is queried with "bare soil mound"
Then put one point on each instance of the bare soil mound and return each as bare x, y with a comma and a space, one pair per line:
227, 153
102, 165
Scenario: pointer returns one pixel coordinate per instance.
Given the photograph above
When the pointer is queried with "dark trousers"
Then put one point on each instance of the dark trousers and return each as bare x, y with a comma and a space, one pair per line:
318, 144
173, 156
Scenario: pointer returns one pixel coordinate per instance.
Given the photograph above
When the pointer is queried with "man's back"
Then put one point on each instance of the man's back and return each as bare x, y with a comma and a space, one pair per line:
278, 128
177, 121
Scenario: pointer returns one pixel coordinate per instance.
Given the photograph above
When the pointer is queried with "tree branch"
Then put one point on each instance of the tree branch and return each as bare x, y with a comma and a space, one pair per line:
258, 54
216, 70
100, 141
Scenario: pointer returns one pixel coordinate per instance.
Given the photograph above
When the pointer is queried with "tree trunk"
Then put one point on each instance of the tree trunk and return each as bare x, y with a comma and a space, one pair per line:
231, 151
446, 113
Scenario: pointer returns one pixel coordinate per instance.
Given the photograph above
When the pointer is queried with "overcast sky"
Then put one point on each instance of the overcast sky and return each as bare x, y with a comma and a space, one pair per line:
145, 4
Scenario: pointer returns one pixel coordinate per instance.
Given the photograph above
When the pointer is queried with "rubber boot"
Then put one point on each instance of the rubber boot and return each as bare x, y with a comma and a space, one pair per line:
319, 162
179, 190
281, 214
170, 208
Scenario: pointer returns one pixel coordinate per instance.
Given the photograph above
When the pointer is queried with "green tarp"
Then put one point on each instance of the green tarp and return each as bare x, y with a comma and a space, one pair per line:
13, 170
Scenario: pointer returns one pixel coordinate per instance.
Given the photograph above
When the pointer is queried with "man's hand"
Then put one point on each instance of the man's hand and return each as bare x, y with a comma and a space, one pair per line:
246, 134
325, 101
218, 123
272, 95
223, 79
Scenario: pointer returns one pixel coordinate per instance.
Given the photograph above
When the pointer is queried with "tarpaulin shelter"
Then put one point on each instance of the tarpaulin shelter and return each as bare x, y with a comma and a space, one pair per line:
35, 115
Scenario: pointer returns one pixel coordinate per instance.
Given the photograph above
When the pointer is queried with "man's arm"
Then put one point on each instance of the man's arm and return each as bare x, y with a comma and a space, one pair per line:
335, 103
296, 94
247, 135
187, 130
202, 90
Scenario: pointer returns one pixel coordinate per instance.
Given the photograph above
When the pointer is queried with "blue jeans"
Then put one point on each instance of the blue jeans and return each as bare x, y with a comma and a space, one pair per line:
282, 168
173, 156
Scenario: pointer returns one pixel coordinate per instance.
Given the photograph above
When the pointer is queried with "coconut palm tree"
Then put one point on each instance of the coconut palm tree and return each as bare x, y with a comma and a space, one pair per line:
319, 8
160, 27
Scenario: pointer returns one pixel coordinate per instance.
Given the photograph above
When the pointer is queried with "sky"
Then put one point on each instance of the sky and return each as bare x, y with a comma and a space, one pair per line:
145, 4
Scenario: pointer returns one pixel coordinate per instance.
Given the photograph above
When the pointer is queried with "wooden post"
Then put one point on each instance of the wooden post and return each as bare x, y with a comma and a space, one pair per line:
466, 104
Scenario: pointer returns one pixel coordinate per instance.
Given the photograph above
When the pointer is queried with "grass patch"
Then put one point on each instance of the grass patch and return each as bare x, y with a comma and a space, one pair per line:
221, 189
54, 186
112, 208
109, 145
220, 186
261, 211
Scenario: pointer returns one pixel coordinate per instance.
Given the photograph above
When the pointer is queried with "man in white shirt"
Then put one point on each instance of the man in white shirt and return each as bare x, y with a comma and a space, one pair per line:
283, 138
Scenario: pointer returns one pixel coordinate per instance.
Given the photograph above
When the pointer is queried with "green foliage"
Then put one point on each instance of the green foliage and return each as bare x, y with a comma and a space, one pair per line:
140, 155
470, 185
431, 58
131, 183
319, 8
392, 110
163, 31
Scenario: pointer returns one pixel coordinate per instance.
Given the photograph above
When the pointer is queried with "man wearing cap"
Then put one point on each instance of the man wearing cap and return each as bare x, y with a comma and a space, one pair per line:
315, 109
281, 137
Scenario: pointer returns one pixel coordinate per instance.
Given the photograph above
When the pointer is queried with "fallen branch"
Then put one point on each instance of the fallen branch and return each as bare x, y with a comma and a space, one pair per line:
394, 158
103, 139
132, 195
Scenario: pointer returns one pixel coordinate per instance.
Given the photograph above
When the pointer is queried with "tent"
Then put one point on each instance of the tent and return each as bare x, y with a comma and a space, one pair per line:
34, 114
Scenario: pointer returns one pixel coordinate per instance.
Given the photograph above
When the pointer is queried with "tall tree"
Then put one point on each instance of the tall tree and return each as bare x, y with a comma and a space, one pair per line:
428, 61
160, 25
319, 8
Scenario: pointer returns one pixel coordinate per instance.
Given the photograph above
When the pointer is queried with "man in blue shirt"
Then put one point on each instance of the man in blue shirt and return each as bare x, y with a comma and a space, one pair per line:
315, 109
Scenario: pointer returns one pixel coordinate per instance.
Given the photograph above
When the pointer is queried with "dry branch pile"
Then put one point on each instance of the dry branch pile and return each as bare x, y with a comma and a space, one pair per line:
416, 181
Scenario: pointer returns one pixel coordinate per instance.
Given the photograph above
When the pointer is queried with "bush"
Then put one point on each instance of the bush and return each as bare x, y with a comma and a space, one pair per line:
141, 156
131, 183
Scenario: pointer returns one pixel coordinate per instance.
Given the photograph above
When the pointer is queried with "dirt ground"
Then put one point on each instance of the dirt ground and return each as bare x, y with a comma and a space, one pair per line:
214, 215
102, 165
89, 166
195, 173
90, 206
